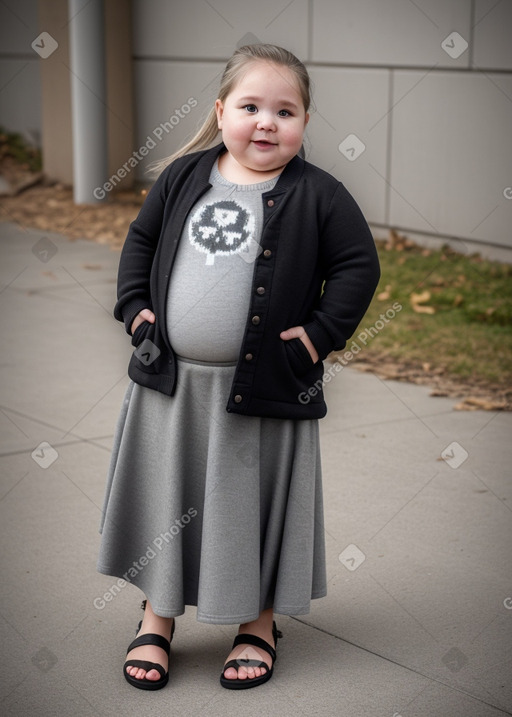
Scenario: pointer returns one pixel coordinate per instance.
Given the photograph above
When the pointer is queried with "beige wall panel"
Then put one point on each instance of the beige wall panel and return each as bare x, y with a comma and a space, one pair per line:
390, 32
452, 154
493, 35
176, 95
20, 83
352, 102
20, 98
120, 114
56, 89
202, 29
18, 27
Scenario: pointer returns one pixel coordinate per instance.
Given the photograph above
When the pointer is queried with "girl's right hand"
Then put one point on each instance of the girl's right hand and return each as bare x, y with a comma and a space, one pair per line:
144, 315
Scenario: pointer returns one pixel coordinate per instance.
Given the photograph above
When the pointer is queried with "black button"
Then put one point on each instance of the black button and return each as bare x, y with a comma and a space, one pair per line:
267, 253
248, 357
256, 320
238, 398
260, 290
270, 203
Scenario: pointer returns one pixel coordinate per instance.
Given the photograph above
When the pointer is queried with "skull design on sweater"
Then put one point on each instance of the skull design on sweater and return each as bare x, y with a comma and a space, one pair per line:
223, 227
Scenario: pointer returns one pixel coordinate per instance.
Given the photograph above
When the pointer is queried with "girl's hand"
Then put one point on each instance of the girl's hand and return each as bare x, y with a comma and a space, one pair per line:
144, 315
299, 332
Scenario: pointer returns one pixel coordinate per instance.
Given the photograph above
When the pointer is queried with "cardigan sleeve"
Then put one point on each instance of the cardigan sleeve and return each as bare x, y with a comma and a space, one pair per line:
133, 281
351, 272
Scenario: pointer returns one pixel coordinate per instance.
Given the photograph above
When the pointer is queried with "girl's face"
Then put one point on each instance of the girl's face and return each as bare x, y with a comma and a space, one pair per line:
262, 122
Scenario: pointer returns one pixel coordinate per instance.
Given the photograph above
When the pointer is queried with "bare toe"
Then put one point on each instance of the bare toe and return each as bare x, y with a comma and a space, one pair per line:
153, 675
231, 673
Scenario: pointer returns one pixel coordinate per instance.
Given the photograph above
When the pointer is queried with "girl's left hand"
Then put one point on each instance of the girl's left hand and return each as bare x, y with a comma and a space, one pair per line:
299, 332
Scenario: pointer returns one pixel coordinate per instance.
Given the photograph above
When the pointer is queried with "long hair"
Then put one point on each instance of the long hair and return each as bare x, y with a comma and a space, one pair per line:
236, 66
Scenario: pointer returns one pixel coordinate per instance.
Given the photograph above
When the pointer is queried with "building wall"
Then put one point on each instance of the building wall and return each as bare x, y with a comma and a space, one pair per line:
35, 89
420, 135
20, 85
434, 124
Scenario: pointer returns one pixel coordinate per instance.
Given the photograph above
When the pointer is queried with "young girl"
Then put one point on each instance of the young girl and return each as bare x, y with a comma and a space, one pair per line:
244, 269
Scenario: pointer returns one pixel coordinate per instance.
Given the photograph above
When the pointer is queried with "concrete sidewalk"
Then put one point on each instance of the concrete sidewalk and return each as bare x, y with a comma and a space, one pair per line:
418, 618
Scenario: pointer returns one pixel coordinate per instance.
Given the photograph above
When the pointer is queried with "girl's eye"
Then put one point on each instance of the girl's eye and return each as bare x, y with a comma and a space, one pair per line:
251, 108
283, 113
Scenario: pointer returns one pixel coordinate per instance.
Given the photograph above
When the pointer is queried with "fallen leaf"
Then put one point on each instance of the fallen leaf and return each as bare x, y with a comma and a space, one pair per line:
386, 294
473, 403
418, 299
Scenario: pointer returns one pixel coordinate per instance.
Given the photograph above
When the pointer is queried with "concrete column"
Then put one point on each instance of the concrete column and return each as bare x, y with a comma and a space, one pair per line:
88, 97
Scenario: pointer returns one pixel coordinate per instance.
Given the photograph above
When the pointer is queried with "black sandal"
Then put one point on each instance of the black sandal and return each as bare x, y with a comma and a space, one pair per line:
244, 639
148, 639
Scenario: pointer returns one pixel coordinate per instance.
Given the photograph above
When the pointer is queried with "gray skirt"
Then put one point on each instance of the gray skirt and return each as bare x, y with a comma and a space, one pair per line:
208, 508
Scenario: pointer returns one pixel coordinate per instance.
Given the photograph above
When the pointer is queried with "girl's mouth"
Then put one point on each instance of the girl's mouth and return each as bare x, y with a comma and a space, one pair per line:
263, 143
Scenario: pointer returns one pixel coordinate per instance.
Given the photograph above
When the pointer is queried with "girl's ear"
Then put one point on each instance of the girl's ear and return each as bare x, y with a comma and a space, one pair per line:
219, 111
306, 119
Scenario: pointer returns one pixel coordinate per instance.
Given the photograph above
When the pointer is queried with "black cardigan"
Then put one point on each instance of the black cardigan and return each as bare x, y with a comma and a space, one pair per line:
313, 232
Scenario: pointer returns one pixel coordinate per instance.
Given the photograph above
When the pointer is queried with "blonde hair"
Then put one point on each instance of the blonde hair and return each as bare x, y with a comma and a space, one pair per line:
236, 66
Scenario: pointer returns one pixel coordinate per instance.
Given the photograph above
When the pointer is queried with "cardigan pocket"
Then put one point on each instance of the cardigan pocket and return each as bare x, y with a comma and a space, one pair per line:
145, 357
298, 356
140, 332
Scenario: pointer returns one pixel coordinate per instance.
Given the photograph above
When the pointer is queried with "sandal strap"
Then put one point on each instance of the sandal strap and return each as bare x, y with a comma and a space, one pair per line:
151, 638
145, 665
246, 639
240, 662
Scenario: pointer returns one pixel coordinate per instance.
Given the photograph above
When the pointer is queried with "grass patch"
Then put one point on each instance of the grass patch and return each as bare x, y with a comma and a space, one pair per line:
15, 148
456, 314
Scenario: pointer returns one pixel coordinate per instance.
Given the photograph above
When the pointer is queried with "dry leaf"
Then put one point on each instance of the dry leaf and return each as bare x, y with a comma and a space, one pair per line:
418, 299
386, 294
474, 404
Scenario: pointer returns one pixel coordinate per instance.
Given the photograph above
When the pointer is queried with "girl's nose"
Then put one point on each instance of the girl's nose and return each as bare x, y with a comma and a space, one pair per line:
266, 122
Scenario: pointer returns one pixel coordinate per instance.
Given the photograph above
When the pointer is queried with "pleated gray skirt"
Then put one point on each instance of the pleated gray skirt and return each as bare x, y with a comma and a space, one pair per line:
208, 508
